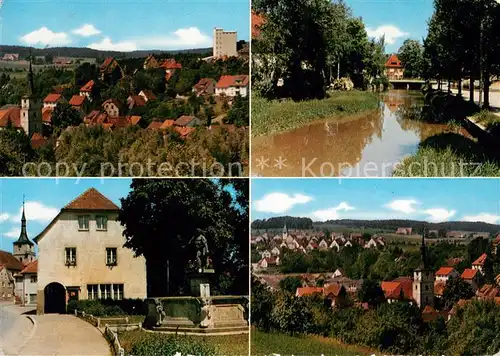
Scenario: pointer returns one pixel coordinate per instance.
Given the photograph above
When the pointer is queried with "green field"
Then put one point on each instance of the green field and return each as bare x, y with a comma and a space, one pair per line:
276, 343
276, 116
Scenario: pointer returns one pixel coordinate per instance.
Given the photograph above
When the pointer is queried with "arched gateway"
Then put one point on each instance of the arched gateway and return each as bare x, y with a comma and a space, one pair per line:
55, 298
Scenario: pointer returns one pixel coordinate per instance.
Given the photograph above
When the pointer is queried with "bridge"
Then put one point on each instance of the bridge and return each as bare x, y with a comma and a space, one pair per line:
409, 84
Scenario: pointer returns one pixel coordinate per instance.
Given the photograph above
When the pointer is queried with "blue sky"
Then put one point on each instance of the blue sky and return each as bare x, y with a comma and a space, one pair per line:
433, 200
398, 19
44, 199
122, 25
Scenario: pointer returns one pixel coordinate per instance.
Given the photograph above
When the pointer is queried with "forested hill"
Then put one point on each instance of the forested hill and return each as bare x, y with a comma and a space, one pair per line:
83, 52
390, 225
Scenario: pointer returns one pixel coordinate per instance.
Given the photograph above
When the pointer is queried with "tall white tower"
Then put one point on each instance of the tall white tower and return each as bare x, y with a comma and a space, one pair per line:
31, 108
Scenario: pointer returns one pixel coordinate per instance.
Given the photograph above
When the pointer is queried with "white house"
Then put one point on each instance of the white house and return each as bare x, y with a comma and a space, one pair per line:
232, 85
265, 254
323, 245
81, 256
445, 273
26, 284
275, 252
52, 100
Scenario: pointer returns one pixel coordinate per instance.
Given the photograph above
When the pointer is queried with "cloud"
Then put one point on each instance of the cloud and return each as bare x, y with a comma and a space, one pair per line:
36, 211
4, 217
331, 213
280, 202
439, 214
107, 45
44, 36
13, 233
391, 33
484, 217
403, 205
190, 37
86, 30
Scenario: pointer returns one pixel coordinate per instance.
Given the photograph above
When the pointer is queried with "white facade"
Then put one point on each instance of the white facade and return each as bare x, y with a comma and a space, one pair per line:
232, 91
26, 288
224, 43
75, 253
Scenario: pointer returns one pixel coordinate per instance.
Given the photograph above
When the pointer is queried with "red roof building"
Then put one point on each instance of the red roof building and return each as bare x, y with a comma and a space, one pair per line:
303, 291
205, 86
227, 81
91, 199
394, 68
10, 115
88, 87
480, 260
31, 267
37, 140
77, 101
171, 64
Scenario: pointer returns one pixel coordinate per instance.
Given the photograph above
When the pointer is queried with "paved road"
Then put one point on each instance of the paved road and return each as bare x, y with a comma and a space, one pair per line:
65, 335
494, 98
15, 328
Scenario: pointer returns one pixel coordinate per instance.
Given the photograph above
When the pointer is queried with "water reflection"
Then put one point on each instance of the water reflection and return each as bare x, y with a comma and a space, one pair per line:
376, 141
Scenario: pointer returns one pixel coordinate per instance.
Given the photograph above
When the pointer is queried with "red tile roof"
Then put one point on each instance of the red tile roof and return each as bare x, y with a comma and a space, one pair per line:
149, 94
171, 63
37, 140
91, 199
47, 114
488, 291
203, 83
227, 81
107, 63
333, 289
393, 62
9, 261
184, 131
88, 87
138, 100
12, 115
393, 289
77, 100
469, 273
481, 260
167, 123
444, 271
52, 98
184, 120
155, 125
31, 267
301, 291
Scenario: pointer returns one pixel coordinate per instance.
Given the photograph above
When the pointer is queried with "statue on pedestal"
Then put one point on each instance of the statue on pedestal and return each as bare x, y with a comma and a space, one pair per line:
199, 246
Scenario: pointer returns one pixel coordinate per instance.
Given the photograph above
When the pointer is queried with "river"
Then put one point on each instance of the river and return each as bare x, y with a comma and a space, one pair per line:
366, 145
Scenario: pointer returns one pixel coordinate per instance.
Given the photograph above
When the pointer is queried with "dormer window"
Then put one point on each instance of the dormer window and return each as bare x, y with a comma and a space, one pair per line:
83, 222
102, 222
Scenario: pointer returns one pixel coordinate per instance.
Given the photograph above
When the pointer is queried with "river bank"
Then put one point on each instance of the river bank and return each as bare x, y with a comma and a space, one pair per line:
272, 116
452, 155
367, 144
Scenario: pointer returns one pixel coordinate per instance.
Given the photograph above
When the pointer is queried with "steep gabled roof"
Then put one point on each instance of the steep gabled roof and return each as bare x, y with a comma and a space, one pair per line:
480, 260
88, 86
91, 199
393, 62
31, 267
9, 261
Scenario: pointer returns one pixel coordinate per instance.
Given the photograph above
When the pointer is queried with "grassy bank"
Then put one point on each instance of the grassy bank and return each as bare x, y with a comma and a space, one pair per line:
141, 343
270, 343
449, 155
276, 116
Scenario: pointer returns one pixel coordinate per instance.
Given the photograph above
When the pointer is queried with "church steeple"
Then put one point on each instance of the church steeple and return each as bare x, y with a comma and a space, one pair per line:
23, 236
423, 250
31, 84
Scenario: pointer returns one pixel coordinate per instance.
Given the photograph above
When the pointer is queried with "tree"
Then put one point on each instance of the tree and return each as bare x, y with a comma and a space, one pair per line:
160, 218
371, 293
15, 151
84, 73
456, 289
410, 54
239, 112
64, 115
290, 284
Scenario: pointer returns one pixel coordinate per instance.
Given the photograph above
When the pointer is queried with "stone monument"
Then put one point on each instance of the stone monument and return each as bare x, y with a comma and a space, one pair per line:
199, 312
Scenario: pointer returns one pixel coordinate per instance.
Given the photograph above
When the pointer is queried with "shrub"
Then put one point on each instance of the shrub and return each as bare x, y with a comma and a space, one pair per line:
170, 345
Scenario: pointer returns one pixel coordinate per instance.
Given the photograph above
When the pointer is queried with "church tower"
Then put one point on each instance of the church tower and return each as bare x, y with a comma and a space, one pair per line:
31, 108
285, 232
423, 279
23, 248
